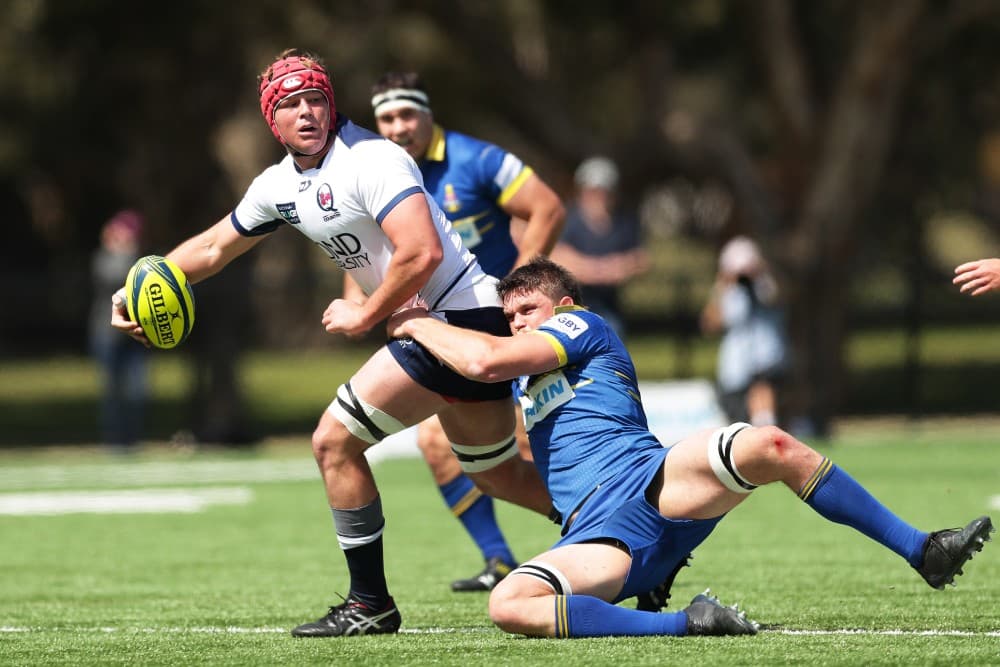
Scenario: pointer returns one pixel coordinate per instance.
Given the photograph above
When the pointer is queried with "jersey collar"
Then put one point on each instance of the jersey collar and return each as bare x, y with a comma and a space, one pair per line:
566, 309
435, 150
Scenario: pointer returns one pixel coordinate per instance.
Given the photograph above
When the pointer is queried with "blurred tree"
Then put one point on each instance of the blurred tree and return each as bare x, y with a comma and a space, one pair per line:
816, 116
801, 131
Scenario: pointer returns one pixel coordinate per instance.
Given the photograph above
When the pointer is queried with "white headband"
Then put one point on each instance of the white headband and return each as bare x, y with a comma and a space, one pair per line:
400, 98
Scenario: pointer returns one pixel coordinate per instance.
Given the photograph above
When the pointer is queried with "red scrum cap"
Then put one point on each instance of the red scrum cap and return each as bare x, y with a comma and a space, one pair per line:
290, 76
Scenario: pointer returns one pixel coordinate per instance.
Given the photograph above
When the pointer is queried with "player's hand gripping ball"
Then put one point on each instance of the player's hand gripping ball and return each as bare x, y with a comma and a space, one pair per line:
158, 297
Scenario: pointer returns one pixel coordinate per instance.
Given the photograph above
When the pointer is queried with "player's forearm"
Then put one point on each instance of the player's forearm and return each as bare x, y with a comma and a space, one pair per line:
404, 278
467, 352
207, 253
352, 290
543, 230
198, 257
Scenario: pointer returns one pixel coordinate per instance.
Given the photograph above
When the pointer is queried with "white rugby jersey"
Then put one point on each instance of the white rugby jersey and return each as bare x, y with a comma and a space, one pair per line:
340, 205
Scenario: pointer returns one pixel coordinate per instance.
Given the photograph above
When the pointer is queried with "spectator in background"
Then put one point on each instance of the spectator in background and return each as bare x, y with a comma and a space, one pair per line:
752, 355
122, 362
601, 245
978, 277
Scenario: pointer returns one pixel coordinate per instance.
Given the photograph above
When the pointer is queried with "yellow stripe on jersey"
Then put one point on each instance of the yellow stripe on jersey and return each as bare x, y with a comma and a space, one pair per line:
469, 219
556, 345
633, 394
822, 470
435, 150
562, 617
514, 186
466, 501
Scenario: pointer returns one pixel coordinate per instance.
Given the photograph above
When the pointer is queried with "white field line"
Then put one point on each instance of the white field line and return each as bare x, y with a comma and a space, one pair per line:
121, 474
234, 630
995, 503
155, 473
886, 633
211, 630
134, 501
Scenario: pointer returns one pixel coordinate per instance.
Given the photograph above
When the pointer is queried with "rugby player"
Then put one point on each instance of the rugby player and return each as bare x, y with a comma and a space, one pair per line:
361, 199
633, 510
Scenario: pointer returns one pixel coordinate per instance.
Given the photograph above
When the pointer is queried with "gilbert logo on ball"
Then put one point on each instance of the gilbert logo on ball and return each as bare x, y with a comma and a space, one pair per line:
158, 296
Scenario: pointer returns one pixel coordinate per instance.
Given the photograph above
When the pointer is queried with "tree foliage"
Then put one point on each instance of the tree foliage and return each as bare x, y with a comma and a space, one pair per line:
832, 126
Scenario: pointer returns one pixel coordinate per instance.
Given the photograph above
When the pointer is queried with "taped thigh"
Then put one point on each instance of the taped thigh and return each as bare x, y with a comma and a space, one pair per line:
478, 458
363, 420
720, 457
547, 574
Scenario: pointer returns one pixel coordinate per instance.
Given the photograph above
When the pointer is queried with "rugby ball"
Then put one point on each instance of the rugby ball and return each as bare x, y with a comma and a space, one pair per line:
158, 297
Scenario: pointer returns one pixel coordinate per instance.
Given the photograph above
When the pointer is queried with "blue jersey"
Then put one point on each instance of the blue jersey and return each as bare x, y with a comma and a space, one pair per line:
471, 180
585, 420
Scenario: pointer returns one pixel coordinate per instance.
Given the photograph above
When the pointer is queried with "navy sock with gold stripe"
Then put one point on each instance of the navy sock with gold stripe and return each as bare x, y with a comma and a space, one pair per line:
836, 496
475, 511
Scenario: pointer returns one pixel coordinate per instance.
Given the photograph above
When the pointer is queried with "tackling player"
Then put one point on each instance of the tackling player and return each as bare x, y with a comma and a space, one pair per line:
480, 187
634, 509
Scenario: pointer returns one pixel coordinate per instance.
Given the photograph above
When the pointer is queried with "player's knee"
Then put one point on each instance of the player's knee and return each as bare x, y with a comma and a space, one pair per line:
758, 455
506, 609
769, 444
522, 602
327, 443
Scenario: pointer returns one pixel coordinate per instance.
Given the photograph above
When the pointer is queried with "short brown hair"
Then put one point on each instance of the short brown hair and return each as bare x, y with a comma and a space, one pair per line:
543, 275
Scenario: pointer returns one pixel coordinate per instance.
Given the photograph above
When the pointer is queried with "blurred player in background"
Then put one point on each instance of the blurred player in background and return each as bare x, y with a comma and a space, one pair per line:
632, 508
978, 277
360, 198
489, 195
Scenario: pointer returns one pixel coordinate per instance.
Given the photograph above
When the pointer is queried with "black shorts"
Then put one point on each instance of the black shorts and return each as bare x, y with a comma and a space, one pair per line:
427, 371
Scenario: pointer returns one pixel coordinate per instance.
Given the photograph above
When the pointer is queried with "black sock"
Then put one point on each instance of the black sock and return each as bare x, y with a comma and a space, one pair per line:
359, 532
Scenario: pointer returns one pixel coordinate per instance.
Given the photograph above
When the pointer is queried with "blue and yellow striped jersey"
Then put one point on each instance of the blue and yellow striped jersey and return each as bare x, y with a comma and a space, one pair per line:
585, 419
471, 180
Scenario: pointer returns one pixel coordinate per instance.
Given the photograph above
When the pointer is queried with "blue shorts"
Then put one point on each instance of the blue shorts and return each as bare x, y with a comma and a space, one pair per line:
428, 372
618, 510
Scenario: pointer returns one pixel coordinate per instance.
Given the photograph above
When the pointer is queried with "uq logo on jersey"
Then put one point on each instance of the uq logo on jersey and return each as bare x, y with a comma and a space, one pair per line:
324, 199
543, 396
346, 251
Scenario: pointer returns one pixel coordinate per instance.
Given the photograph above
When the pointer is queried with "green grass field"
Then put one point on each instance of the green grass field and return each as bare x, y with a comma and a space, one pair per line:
224, 584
